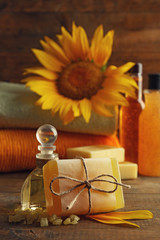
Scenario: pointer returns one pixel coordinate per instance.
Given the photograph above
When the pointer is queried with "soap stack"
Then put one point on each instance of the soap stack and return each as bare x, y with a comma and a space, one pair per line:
127, 169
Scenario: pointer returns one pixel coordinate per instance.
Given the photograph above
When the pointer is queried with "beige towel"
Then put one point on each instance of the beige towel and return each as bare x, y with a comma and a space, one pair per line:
18, 110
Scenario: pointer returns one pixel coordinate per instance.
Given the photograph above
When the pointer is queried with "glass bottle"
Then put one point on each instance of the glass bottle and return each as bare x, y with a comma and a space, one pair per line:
129, 117
32, 192
149, 130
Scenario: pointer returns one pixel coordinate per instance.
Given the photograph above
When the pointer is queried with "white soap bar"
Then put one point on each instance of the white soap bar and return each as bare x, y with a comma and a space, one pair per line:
128, 170
97, 151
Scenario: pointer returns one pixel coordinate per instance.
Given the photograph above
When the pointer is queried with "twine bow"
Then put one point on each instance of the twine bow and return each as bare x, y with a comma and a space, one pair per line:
86, 184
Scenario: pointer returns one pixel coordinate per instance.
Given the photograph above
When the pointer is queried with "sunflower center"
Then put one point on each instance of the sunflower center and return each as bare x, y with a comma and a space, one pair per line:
80, 80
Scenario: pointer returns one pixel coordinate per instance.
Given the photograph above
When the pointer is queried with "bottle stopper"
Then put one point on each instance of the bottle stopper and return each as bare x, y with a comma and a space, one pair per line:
46, 136
154, 81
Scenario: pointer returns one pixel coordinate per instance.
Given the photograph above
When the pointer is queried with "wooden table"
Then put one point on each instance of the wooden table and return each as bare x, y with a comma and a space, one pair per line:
144, 194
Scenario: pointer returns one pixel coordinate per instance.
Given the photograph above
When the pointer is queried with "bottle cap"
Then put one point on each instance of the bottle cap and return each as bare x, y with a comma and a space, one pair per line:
137, 68
154, 81
46, 136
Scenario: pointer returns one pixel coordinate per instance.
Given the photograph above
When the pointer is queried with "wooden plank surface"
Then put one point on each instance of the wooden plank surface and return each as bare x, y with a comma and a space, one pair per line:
144, 194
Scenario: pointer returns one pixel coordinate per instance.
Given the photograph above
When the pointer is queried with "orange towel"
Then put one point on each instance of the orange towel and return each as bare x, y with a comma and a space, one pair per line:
18, 147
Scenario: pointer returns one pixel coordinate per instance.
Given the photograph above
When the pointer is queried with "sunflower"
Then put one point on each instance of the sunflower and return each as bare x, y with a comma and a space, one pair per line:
74, 79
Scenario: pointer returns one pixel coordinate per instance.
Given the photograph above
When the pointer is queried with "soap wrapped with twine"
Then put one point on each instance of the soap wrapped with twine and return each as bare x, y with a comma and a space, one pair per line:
82, 186
87, 184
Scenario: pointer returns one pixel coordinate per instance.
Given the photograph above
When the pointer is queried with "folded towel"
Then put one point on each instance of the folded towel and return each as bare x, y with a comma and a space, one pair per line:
18, 147
18, 110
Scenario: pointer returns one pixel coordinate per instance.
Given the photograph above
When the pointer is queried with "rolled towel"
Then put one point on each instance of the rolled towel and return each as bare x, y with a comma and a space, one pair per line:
18, 110
18, 147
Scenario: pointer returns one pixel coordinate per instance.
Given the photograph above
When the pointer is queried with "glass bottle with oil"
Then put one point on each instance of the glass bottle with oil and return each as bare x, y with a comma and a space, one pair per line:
129, 117
32, 192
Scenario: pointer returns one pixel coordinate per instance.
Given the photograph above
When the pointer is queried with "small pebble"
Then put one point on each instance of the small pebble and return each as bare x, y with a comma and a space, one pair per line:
74, 222
57, 222
44, 222
52, 218
67, 221
74, 217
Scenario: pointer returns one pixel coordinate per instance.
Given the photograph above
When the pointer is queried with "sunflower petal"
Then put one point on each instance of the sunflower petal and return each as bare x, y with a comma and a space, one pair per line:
96, 41
57, 51
101, 47
84, 42
55, 107
66, 113
65, 108
41, 87
107, 47
110, 70
138, 214
118, 217
81, 44
48, 61
47, 101
33, 78
118, 89
110, 98
68, 117
129, 80
74, 31
75, 109
119, 79
98, 34
100, 109
67, 43
125, 68
46, 47
113, 220
85, 108
40, 101
42, 72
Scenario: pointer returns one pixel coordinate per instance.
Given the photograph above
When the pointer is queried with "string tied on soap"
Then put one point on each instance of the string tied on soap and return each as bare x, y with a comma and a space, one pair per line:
87, 184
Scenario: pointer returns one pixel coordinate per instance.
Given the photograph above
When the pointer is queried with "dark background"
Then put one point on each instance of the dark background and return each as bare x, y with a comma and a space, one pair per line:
24, 22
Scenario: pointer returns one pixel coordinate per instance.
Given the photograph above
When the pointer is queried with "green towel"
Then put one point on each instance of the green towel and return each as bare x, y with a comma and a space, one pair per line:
18, 110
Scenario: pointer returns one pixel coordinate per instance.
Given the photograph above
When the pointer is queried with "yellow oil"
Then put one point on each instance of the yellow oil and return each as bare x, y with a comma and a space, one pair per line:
32, 193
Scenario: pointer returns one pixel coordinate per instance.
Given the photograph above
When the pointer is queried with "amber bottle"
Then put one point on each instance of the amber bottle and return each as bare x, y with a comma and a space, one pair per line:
149, 130
129, 118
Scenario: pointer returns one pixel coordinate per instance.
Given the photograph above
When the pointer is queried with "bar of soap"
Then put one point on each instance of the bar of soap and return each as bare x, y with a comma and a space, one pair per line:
128, 170
100, 201
95, 151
